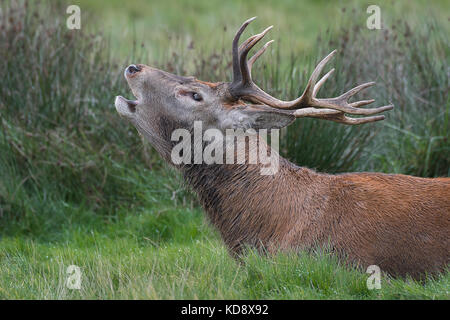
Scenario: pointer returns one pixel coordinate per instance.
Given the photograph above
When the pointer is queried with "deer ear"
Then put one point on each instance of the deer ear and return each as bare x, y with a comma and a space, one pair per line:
258, 117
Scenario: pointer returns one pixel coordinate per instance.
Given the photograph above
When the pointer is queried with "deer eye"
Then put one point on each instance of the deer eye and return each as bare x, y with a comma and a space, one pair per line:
196, 96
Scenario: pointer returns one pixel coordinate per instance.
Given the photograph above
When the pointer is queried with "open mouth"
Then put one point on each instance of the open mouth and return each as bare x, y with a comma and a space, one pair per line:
125, 106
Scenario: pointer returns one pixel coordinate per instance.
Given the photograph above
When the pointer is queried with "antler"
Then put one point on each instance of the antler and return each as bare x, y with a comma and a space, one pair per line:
307, 105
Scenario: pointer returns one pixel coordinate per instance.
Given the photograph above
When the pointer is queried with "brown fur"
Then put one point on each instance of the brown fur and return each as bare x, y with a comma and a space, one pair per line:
400, 223
212, 85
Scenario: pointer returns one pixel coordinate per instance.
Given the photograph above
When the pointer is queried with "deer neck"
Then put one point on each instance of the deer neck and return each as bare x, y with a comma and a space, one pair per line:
248, 207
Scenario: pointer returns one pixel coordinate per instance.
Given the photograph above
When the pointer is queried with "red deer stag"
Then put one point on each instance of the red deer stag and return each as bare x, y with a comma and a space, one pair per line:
400, 223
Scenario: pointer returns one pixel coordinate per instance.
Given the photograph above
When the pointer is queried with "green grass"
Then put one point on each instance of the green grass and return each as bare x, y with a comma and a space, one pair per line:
78, 186
179, 259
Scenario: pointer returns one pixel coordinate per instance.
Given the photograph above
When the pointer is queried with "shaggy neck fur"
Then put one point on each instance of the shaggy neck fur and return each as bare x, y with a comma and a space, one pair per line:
262, 211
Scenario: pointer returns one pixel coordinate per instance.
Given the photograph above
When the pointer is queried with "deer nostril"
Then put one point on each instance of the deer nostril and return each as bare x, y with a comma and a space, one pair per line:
132, 69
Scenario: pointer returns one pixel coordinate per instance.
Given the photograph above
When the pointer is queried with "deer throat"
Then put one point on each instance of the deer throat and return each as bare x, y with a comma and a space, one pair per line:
249, 208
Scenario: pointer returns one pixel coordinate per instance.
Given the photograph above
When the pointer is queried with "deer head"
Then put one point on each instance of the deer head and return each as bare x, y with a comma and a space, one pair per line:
166, 102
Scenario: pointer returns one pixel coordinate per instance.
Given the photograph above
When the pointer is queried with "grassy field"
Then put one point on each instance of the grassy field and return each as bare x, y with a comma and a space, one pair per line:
79, 187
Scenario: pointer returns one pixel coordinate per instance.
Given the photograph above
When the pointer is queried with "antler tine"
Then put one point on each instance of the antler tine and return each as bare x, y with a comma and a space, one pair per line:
246, 42
322, 81
311, 86
252, 60
240, 70
235, 50
341, 103
245, 70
